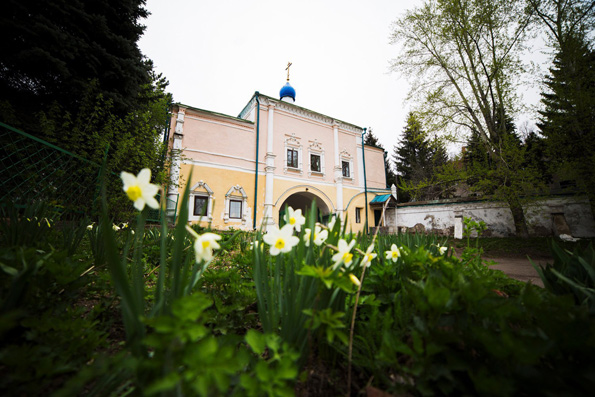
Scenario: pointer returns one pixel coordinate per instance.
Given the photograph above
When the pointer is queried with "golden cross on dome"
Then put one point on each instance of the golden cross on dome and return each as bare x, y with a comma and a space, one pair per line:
287, 68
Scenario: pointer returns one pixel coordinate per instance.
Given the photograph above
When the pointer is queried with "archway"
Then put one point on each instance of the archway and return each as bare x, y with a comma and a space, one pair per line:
303, 201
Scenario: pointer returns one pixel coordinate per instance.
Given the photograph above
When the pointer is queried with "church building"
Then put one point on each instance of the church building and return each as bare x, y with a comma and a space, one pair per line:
244, 171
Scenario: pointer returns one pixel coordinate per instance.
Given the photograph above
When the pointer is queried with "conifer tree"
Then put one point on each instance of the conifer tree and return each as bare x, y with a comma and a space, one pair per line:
417, 160
568, 116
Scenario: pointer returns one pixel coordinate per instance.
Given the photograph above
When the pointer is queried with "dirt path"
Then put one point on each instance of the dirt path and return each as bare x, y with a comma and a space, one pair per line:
519, 268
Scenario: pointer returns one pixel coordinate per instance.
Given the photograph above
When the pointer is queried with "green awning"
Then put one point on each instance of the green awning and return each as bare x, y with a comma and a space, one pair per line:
381, 199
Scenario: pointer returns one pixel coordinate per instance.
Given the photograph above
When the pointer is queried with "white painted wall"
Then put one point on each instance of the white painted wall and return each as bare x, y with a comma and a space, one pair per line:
440, 217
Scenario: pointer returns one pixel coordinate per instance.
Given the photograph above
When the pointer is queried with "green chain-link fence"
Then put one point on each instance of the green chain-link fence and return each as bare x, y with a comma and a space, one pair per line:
34, 171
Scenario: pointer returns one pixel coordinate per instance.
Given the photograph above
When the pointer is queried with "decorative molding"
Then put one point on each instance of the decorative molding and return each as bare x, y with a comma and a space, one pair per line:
293, 140
315, 145
344, 154
203, 185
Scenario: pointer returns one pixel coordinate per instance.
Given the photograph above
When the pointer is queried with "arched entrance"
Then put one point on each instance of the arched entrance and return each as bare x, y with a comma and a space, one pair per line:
303, 201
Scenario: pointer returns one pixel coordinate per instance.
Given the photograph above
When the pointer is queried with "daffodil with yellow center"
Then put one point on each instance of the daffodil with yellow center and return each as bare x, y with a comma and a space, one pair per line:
344, 256
281, 240
393, 254
139, 189
295, 218
320, 236
368, 256
204, 244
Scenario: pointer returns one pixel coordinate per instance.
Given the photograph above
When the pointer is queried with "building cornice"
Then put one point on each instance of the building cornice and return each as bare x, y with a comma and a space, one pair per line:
299, 111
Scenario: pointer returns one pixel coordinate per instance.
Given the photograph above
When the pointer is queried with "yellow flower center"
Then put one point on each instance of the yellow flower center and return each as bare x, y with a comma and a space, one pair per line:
347, 257
395, 254
134, 193
280, 243
369, 257
292, 220
205, 243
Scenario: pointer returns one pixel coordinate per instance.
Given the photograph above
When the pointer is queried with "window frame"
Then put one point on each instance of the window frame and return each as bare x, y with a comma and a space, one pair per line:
200, 189
348, 163
312, 155
295, 158
358, 214
241, 213
204, 197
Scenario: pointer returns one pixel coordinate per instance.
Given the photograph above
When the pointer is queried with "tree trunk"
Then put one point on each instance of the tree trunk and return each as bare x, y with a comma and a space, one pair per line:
518, 215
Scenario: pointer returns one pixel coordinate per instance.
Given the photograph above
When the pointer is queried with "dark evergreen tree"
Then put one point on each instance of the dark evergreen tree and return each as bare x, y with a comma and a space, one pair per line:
71, 73
417, 160
57, 51
568, 116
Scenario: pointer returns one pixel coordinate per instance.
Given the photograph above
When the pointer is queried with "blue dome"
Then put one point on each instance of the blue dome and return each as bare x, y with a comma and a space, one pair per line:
287, 91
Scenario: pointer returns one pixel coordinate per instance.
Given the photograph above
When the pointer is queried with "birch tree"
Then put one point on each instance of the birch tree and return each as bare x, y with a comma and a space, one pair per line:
463, 61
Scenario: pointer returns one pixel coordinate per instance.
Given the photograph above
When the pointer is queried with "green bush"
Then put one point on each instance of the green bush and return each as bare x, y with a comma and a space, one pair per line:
571, 273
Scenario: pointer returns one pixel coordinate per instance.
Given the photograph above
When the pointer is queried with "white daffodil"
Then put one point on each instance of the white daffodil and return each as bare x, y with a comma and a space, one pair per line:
139, 189
344, 255
295, 218
354, 280
393, 254
281, 240
90, 227
320, 236
331, 223
115, 227
368, 256
204, 244
442, 250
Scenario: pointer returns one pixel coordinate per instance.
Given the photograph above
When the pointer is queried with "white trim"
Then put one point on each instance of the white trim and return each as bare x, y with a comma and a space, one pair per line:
205, 192
222, 167
228, 124
221, 155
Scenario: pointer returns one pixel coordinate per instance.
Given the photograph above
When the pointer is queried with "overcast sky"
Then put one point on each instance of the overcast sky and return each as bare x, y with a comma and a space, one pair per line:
216, 54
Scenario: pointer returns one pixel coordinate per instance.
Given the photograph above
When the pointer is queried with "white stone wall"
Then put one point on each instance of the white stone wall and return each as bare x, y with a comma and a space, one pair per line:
441, 217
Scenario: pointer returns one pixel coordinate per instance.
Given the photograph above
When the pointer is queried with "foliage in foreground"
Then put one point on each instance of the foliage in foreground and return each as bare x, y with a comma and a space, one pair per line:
427, 322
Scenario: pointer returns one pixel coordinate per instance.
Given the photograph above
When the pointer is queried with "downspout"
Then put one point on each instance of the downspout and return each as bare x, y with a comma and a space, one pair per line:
256, 168
365, 181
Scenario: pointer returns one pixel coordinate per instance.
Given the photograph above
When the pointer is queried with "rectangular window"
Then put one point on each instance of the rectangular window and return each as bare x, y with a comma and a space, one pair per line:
200, 205
345, 167
235, 209
292, 158
358, 215
315, 162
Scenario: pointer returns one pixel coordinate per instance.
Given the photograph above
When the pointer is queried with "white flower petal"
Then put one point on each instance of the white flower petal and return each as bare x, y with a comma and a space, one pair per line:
128, 179
144, 176
139, 204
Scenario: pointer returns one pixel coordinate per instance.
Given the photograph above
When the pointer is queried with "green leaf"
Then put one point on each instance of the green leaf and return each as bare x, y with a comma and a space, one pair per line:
256, 341
168, 382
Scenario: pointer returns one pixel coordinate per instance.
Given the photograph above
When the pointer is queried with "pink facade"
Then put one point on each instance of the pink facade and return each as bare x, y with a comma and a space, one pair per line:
303, 156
